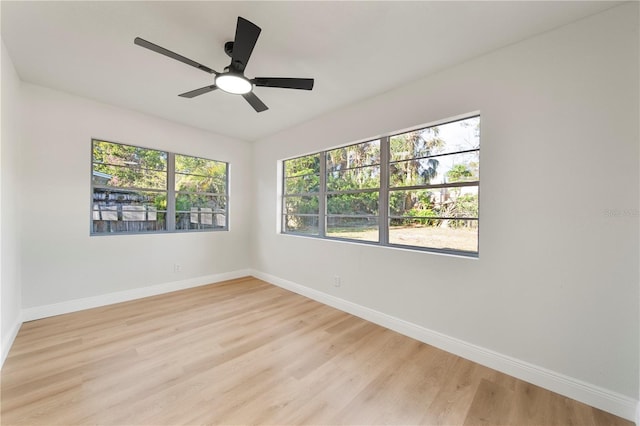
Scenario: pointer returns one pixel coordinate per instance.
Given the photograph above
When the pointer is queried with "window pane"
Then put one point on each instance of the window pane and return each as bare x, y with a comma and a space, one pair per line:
362, 203
184, 202
201, 218
362, 154
301, 224
302, 184
463, 167
195, 180
444, 169
416, 144
200, 211
457, 136
186, 164
355, 228
301, 205
129, 156
128, 177
106, 226
121, 197
440, 234
301, 166
351, 179
197, 183
128, 211
196, 174
435, 203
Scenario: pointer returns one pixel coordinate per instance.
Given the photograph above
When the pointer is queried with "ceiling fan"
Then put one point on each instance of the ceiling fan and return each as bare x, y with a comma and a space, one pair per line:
232, 79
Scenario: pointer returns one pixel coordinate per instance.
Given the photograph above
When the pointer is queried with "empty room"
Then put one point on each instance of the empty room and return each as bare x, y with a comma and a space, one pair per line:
341, 213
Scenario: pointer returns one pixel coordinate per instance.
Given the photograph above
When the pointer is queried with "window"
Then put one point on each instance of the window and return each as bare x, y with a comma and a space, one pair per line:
201, 193
353, 191
416, 189
301, 200
138, 190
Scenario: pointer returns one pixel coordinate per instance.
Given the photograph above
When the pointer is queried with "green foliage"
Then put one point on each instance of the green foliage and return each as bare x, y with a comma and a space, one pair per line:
301, 166
184, 201
302, 174
363, 203
409, 167
197, 179
302, 224
417, 144
418, 216
402, 202
459, 172
353, 156
301, 205
127, 155
160, 201
421, 213
302, 184
354, 167
466, 205
354, 179
130, 166
199, 175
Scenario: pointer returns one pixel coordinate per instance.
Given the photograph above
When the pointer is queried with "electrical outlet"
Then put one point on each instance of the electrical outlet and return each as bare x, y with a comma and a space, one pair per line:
337, 281
177, 267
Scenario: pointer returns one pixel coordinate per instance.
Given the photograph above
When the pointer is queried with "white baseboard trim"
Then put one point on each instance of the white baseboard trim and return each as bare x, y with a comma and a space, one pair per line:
587, 393
38, 312
7, 342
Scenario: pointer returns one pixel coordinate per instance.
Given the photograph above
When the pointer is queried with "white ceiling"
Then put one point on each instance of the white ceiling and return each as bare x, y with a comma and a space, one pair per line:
354, 50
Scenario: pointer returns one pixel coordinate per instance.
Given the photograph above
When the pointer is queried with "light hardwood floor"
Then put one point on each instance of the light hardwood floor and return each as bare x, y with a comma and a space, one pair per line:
247, 352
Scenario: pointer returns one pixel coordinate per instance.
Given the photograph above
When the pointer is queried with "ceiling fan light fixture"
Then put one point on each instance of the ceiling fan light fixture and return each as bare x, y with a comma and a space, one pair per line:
233, 83
232, 80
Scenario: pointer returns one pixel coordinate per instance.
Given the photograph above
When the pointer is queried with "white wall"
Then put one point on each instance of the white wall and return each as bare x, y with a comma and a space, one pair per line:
60, 261
10, 289
556, 282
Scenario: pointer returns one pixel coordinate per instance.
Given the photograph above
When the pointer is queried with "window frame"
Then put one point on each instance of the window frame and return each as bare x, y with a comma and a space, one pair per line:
384, 191
170, 191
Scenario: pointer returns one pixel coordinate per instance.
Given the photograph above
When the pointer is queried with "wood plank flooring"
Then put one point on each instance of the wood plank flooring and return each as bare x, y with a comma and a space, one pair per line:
247, 352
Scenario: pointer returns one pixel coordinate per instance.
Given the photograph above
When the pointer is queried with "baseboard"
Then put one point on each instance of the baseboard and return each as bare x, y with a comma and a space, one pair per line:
38, 312
638, 414
7, 342
587, 393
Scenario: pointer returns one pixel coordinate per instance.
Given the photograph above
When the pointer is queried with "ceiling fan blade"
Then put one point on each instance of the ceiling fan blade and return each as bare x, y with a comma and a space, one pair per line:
255, 102
198, 92
246, 37
285, 83
147, 44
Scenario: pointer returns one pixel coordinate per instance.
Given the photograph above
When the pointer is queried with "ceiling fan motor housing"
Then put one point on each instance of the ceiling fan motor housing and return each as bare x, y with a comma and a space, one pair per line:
228, 49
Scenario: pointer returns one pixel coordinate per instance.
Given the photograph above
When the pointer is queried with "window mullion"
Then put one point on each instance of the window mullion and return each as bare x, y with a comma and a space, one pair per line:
171, 192
383, 200
322, 198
